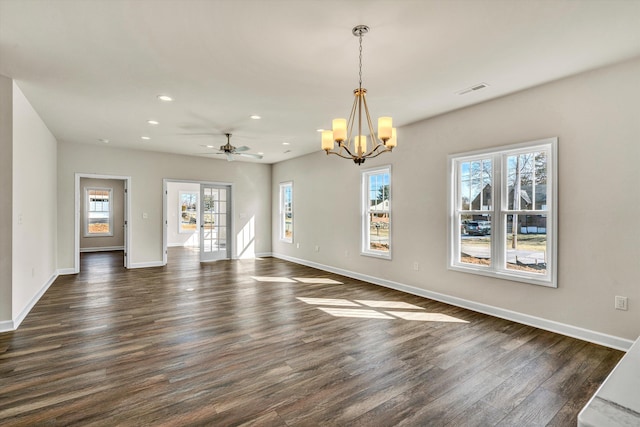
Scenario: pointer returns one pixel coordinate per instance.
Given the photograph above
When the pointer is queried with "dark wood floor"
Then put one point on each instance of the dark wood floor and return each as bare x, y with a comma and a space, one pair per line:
270, 343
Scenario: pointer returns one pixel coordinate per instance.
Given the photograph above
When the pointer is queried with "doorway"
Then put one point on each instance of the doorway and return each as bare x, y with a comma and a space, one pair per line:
101, 215
215, 207
204, 224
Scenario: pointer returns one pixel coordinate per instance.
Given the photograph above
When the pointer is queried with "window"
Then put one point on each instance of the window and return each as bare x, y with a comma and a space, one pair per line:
99, 218
188, 214
286, 211
503, 212
376, 212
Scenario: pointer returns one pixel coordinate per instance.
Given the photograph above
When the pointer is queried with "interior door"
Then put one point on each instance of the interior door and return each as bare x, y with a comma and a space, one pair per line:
215, 221
125, 226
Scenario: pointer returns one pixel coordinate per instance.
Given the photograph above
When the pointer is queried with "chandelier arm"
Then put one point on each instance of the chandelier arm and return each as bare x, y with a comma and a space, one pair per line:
374, 139
345, 148
374, 151
380, 152
351, 121
340, 155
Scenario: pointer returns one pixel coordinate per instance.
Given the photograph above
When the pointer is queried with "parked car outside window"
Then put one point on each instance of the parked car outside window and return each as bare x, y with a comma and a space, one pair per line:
478, 228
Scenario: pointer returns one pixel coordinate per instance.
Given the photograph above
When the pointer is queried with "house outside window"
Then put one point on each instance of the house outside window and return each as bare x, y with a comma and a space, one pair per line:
376, 212
503, 212
98, 212
286, 212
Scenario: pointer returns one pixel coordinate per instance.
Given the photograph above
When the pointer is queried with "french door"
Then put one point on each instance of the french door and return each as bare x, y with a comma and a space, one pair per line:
215, 222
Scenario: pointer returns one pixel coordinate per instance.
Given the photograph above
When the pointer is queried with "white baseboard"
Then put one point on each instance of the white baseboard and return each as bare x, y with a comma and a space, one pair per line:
263, 254
12, 325
537, 322
103, 249
146, 264
6, 326
65, 271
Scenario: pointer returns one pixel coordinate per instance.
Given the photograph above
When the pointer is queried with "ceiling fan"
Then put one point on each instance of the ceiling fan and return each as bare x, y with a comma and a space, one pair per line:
230, 151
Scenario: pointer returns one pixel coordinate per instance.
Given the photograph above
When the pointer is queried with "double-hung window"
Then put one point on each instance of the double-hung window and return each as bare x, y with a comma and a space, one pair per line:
99, 212
286, 211
376, 212
503, 212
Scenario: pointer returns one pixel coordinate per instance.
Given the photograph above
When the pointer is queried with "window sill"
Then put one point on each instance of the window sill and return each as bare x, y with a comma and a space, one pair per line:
377, 255
504, 275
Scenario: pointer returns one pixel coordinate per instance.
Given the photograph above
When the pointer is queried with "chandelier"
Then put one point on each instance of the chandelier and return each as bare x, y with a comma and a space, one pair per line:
356, 146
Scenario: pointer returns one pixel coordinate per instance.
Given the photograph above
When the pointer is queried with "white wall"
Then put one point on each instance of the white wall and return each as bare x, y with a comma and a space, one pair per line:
174, 237
34, 205
252, 186
117, 203
596, 118
6, 199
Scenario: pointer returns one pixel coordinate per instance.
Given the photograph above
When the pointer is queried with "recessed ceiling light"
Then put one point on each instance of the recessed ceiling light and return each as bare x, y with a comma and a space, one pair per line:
153, 122
286, 143
104, 141
209, 146
146, 138
165, 98
261, 153
255, 117
320, 130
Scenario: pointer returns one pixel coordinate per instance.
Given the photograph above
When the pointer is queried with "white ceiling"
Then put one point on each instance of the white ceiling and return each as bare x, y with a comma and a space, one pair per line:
92, 68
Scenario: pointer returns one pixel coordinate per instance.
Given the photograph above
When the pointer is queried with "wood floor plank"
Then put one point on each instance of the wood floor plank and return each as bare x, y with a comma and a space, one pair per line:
266, 342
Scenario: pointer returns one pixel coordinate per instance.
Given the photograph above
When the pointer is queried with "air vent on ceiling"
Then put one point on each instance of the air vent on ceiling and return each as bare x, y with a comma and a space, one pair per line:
473, 88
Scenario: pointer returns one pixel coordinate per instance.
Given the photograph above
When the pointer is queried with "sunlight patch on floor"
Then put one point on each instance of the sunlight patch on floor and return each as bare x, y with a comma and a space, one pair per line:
389, 304
355, 312
328, 301
375, 309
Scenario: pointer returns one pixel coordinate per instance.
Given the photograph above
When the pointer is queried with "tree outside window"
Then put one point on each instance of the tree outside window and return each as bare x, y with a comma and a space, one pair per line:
376, 216
503, 212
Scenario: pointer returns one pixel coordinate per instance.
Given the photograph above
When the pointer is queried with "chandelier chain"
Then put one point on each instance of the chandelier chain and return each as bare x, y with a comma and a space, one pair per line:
360, 61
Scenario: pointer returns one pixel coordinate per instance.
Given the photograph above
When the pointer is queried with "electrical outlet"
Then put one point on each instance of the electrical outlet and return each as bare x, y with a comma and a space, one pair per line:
621, 303
317, 248
416, 266
297, 245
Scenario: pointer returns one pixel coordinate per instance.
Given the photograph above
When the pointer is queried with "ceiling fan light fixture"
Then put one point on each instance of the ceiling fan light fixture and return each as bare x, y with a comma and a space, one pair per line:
230, 151
165, 98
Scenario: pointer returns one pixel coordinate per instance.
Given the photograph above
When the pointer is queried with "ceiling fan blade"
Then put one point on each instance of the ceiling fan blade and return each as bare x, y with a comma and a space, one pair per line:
243, 148
253, 156
229, 157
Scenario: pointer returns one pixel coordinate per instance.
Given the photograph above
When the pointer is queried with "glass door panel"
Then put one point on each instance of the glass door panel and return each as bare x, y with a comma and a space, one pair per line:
214, 220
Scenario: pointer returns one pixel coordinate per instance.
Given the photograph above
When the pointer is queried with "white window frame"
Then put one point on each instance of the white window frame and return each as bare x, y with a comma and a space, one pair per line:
87, 190
284, 211
499, 212
365, 248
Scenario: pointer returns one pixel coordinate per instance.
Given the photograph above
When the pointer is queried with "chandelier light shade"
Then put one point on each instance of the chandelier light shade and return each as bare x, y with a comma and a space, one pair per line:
362, 142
